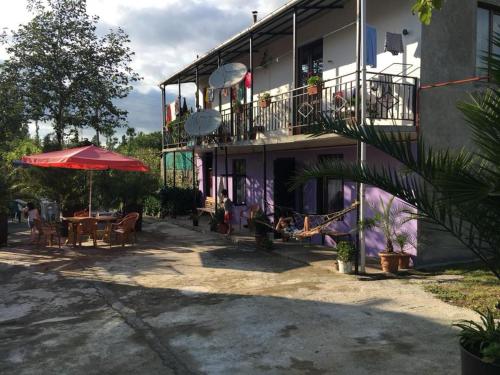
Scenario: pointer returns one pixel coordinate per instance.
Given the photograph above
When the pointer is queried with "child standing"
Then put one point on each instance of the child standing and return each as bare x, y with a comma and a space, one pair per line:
228, 207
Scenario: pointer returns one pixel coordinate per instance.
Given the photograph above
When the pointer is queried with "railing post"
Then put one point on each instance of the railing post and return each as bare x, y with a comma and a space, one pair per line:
416, 114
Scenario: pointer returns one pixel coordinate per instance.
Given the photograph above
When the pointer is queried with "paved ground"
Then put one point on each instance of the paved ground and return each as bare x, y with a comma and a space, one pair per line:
185, 303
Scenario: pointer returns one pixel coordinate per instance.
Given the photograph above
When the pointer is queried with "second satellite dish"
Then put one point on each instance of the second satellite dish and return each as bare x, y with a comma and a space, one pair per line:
203, 123
227, 75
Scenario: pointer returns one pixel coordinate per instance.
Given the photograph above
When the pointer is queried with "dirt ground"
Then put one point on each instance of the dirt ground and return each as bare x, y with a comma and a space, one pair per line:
181, 302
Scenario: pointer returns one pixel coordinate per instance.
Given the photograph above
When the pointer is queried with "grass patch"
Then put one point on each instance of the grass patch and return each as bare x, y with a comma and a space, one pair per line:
475, 288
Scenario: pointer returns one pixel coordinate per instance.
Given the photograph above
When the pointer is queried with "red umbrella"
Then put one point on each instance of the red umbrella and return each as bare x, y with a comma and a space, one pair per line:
89, 158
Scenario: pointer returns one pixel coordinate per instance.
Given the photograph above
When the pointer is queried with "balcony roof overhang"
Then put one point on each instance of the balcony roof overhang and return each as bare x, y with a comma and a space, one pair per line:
276, 24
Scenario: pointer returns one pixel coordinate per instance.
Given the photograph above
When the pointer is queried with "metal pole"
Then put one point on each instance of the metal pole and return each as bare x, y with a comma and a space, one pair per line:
294, 50
251, 83
193, 165
164, 122
197, 98
227, 171
215, 173
265, 179
175, 172
90, 193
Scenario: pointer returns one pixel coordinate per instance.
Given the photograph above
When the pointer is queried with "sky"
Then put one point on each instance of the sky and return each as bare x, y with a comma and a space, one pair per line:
165, 35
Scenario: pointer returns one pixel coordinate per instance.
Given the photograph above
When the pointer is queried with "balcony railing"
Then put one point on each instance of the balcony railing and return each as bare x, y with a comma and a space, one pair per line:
390, 100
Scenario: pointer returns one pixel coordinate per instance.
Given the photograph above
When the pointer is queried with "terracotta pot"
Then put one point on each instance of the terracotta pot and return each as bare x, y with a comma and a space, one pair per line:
473, 365
404, 261
264, 103
313, 89
389, 262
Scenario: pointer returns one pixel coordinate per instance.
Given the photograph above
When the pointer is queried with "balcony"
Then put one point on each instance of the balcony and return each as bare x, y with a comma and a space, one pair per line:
390, 101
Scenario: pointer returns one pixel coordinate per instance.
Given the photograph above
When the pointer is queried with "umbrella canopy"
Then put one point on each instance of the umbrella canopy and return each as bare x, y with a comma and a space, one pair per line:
88, 157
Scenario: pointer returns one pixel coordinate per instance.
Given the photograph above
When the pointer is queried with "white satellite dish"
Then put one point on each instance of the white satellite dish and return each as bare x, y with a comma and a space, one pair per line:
227, 75
203, 123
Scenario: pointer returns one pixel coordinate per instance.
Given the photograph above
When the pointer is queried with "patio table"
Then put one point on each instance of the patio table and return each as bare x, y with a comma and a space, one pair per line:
75, 220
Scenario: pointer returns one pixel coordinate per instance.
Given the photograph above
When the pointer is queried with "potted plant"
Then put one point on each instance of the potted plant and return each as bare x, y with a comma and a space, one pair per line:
264, 100
345, 256
388, 218
237, 107
314, 85
260, 225
480, 345
403, 240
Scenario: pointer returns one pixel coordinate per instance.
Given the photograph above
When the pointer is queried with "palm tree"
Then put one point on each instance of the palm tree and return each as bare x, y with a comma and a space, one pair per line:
459, 190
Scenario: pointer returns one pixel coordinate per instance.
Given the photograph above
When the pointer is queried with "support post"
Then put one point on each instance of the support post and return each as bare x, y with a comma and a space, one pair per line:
164, 161
294, 49
250, 54
216, 197
264, 193
175, 172
226, 167
163, 130
90, 193
195, 190
197, 97
361, 120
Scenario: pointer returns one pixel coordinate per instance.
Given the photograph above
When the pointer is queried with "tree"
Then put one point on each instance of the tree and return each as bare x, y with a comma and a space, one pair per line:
70, 76
459, 190
424, 9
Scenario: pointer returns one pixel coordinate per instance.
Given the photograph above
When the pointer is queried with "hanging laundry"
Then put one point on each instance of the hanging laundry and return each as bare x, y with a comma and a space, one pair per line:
371, 46
234, 92
394, 43
169, 114
241, 92
224, 92
177, 107
248, 80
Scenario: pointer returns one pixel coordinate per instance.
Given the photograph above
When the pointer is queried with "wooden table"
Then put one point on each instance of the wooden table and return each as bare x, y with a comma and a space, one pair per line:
75, 220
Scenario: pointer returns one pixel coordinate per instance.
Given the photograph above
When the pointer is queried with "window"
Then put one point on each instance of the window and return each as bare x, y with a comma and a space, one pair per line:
330, 191
488, 25
239, 182
310, 61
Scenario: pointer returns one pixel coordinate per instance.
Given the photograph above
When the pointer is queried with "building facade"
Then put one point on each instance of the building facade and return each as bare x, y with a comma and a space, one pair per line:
261, 144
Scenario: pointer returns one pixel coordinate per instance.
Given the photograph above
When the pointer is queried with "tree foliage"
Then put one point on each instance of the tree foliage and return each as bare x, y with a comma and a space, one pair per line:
424, 9
70, 75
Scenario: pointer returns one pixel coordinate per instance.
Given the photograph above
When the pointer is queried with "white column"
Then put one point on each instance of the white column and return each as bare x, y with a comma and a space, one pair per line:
362, 243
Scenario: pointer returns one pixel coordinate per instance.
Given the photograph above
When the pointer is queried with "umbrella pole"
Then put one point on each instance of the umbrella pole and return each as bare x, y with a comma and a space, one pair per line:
90, 194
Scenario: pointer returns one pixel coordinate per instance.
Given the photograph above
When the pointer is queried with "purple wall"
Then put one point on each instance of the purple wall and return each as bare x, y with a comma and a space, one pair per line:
254, 194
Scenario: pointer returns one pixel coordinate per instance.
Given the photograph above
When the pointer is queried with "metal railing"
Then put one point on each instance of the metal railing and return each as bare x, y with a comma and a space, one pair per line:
390, 100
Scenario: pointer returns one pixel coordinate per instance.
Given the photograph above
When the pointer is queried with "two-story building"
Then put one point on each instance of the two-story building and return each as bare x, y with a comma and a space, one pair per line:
414, 76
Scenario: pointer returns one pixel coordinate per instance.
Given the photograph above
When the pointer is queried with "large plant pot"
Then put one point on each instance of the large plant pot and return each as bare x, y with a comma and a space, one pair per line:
389, 262
264, 103
313, 90
345, 267
404, 261
473, 365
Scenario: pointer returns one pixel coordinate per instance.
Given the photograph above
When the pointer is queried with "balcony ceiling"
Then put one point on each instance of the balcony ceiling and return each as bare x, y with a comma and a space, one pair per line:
275, 25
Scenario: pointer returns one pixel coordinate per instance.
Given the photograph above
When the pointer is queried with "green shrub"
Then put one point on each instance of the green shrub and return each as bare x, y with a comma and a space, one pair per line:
152, 205
345, 251
178, 201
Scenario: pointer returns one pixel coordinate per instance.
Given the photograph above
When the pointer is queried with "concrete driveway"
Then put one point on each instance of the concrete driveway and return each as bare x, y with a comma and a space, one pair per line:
185, 303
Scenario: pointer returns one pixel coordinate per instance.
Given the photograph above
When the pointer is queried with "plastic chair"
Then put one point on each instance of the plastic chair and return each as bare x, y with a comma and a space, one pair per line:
48, 232
124, 228
87, 226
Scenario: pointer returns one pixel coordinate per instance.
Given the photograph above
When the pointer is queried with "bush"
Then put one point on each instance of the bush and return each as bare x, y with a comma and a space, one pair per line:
345, 251
178, 201
152, 205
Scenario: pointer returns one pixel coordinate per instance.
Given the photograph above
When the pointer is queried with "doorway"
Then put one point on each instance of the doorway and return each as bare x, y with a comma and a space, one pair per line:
207, 174
284, 169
